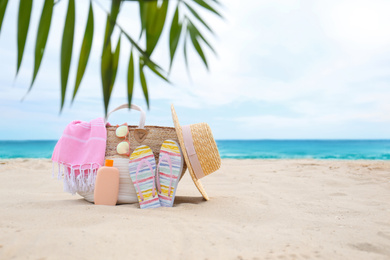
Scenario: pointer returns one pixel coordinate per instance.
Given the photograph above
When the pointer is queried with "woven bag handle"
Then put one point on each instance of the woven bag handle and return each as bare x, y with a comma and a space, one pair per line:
135, 107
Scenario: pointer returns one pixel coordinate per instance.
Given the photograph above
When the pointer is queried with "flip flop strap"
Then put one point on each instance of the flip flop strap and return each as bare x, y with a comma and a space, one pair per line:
168, 159
136, 178
157, 177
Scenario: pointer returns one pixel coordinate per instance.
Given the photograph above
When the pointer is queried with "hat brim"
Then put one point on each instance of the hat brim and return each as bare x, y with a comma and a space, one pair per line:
179, 133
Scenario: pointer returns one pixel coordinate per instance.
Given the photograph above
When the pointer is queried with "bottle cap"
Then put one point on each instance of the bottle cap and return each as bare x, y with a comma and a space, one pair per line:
109, 163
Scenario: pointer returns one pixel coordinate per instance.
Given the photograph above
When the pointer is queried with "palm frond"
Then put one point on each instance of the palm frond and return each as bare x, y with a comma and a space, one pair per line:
42, 35
3, 7
25, 7
85, 50
153, 15
66, 49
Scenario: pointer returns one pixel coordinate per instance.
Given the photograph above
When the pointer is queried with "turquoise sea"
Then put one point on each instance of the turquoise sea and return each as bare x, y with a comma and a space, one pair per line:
244, 149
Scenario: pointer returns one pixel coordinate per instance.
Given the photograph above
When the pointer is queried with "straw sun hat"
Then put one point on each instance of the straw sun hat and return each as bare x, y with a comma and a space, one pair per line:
199, 149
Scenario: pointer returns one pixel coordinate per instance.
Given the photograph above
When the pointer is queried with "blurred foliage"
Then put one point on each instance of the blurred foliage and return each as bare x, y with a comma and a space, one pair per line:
153, 18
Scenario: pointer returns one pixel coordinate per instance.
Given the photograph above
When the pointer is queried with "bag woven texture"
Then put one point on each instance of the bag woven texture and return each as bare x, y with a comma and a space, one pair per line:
152, 136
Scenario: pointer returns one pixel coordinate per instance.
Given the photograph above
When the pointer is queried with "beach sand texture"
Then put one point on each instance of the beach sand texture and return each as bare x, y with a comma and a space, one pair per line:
259, 209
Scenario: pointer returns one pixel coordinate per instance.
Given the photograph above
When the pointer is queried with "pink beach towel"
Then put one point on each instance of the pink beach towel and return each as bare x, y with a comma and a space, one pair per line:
79, 153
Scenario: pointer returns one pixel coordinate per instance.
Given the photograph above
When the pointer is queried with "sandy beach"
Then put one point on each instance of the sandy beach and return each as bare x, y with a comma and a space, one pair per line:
259, 209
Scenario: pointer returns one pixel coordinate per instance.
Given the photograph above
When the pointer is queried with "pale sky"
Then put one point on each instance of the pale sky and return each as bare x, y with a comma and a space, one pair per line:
285, 69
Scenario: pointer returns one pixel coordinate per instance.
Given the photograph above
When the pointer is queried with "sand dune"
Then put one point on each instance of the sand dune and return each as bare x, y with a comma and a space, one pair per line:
259, 209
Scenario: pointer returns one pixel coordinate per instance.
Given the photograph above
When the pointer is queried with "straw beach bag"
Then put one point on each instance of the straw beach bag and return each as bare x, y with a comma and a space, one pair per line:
152, 136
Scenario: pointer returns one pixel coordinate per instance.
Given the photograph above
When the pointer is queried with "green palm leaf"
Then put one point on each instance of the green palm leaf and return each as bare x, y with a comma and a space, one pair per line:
156, 70
115, 7
43, 32
143, 83
144, 55
109, 67
216, 1
155, 19
208, 7
85, 50
197, 16
3, 6
130, 78
66, 49
174, 36
106, 75
192, 28
149, 10
25, 7
142, 17
115, 61
198, 48
153, 15
185, 50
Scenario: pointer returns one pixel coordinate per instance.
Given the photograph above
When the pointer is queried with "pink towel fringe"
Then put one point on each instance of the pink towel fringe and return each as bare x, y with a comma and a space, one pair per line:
79, 153
76, 178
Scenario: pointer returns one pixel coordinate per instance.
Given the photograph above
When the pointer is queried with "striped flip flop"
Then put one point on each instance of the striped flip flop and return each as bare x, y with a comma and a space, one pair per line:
170, 166
142, 167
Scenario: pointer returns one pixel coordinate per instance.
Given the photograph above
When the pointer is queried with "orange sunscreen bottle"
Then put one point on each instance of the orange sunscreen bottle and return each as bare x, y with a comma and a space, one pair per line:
107, 185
